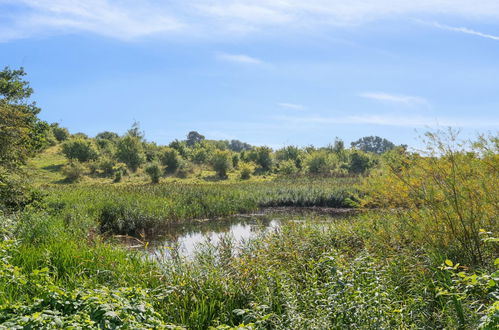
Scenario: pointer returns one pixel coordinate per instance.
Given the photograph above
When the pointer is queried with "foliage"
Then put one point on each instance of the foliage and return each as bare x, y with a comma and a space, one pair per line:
262, 157
221, 162
154, 171
373, 144
22, 133
74, 171
359, 162
170, 158
245, 170
288, 167
79, 149
321, 162
193, 138
449, 194
60, 133
131, 151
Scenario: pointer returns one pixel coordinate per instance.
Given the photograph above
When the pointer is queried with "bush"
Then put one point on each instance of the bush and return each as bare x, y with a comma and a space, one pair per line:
221, 162
321, 162
106, 165
184, 169
170, 158
449, 193
131, 152
245, 171
73, 171
16, 193
79, 149
359, 162
119, 170
60, 133
154, 172
288, 167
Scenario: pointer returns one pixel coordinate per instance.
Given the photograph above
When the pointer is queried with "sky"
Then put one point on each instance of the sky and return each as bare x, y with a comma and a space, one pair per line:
267, 72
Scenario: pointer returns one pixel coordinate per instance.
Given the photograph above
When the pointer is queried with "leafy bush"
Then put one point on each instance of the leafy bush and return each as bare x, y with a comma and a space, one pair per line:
60, 133
131, 152
288, 167
119, 170
245, 170
449, 193
359, 162
73, 171
80, 149
221, 162
321, 162
154, 172
171, 160
107, 165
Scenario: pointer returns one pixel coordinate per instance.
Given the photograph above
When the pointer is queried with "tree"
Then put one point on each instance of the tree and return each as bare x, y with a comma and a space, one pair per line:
193, 138
154, 172
106, 135
222, 162
80, 149
131, 152
238, 146
359, 162
60, 133
262, 156
22, 133
373, 144
170, 158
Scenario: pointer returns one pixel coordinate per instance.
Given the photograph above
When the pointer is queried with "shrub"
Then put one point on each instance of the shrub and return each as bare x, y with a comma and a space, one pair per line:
245, 170
171, 160
79, 149
119, 170
449, 192
60, 133
321, 162
221, 162
154, 172
131, 152
73, 171
106, 165
359, 162
184, 169
288, 167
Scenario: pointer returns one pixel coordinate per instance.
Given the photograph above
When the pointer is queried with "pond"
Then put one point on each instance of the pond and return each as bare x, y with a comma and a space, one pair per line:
184, 239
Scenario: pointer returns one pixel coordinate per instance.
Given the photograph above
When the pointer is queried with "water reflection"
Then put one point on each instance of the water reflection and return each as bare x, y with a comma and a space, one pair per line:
183, 239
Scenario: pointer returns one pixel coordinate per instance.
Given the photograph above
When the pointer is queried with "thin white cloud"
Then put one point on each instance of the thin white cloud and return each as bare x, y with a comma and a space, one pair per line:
239, 58
394, 98
390, 120
291, 106
130, 19
462, 30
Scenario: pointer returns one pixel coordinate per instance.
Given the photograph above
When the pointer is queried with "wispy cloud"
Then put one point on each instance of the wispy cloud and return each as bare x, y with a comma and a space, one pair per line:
129, 20
117, 19
394, 98
239, 58
291, 106
462, 30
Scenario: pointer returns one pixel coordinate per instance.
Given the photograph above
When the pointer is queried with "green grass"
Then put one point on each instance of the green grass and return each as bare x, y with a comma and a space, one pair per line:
130, 209
329, 276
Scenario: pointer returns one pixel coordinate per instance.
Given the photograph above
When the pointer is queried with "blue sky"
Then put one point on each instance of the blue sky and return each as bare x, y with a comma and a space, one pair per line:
275, 72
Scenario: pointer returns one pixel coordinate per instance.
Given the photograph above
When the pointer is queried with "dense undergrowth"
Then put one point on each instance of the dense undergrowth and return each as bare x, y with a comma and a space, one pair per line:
426, 258
131, 209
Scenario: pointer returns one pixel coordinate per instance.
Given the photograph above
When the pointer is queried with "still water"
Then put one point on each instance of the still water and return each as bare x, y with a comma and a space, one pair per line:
185, 239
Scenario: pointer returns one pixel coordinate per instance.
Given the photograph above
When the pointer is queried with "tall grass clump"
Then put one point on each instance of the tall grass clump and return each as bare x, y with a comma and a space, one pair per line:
447, 193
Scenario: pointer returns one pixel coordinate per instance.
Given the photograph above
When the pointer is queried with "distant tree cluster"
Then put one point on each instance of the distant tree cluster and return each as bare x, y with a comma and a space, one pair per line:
108, 154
